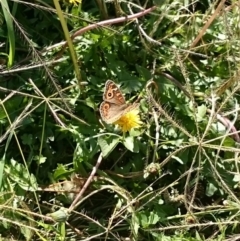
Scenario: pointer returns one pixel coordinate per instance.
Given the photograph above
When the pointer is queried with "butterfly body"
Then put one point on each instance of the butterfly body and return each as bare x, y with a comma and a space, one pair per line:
114, 105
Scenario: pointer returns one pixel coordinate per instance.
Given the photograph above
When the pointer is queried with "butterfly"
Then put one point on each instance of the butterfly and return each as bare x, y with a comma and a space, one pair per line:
114, 105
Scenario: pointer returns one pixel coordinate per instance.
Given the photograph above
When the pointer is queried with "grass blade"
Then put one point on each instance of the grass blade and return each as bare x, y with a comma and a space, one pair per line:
11, 34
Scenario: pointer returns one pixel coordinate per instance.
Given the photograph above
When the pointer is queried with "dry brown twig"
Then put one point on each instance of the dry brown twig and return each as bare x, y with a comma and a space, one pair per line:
104, 23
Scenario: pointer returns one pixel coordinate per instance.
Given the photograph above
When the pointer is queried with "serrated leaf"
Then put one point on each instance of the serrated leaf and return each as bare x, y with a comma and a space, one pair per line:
17, 172
143, 72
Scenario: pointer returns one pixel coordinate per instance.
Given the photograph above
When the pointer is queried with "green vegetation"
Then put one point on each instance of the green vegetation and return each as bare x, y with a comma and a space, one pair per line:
67, 175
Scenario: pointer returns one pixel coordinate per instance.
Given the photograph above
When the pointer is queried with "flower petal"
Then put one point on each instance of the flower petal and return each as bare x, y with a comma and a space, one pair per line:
129, 120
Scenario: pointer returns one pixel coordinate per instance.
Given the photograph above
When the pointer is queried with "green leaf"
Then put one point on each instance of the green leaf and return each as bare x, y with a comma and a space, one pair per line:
177, 159
61, 173
107, 144
153, 218
135, 132
236, 178
130, 143
40, 159
19, 174
11, 32
2, 163
135, 224
27, 139
144, 220
228, 141
211, 189
143, 72
201, 112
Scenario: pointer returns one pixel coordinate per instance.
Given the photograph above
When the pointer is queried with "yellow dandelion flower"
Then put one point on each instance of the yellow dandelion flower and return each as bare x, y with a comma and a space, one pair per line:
130, 120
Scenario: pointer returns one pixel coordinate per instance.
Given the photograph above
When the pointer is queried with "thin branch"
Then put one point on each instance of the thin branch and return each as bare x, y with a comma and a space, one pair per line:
87, 183
104, 23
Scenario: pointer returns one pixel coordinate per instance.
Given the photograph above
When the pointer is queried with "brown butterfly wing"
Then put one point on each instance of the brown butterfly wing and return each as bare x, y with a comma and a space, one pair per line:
111, 112
113, 94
